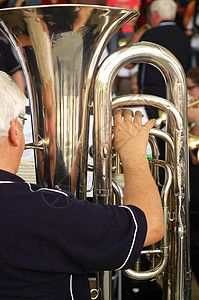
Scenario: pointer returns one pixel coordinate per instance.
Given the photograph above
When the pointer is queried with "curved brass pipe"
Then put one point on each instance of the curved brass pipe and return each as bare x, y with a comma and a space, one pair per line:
159, 268
162, 118
162, 114
193, 140
42, 145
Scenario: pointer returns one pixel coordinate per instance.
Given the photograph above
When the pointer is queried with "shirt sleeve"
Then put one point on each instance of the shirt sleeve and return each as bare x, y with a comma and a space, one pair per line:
93, 237
74, 236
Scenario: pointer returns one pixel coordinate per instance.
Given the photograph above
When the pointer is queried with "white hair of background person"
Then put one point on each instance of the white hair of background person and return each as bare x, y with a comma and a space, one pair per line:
166, 8
12, 103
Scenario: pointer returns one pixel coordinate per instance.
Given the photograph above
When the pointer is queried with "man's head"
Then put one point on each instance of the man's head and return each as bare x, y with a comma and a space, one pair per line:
161, 10
12, 110
193, 82
12, 103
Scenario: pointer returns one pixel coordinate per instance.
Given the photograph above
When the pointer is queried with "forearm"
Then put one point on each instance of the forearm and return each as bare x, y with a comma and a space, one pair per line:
137, 176
141, 191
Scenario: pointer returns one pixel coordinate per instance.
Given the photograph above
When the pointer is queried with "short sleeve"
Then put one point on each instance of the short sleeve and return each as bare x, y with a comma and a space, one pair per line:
74, 236
96, 237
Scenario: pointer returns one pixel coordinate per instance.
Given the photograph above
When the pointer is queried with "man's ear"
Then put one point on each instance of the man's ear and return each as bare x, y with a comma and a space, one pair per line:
14, 133
158, 16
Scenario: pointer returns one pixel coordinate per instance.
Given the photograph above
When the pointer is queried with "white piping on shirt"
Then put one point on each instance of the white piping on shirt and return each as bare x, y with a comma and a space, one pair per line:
6, 182
134, 237
71, 287
41, 189
45, 189
166, 23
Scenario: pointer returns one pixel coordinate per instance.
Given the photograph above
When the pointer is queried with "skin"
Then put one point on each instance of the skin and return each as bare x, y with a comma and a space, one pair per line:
12, 148
155, 18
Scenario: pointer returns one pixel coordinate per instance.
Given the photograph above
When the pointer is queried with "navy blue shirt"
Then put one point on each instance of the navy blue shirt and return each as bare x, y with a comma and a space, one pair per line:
50, 241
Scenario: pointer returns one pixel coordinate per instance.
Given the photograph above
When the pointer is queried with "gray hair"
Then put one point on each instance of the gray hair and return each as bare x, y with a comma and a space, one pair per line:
165, 8
12, 103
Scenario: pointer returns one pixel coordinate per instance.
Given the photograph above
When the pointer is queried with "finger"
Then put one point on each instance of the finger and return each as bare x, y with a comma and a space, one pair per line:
138, 117
128, 115
149, 125
117, 116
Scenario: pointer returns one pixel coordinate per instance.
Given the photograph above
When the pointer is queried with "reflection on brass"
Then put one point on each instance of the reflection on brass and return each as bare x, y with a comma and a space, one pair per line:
59, 48
162, 118
193, 141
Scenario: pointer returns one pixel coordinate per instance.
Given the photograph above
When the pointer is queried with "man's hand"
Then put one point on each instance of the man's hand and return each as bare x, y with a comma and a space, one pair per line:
131, 138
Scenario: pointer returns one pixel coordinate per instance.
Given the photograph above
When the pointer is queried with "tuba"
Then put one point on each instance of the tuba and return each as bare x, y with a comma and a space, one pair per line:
59, 48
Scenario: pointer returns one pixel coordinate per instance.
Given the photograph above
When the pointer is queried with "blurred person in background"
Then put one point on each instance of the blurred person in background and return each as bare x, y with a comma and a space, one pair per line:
9, 62
144, 17
129, 28
189, 13
3, 3
164, 32
193, 119
192, 30
181, 8
18, 3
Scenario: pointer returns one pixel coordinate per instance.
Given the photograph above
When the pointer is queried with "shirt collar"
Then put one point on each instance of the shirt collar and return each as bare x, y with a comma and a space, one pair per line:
5, 176
167, 23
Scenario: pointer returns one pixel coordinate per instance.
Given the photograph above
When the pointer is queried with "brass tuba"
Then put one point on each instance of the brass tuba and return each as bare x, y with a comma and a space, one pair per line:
174, 264
59, 48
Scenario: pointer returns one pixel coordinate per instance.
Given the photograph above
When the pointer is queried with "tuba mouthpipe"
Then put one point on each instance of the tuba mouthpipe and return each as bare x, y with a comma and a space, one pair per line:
42, 144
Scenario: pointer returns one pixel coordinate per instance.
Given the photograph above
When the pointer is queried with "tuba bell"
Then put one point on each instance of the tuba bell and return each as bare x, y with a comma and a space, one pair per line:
59, 48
